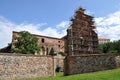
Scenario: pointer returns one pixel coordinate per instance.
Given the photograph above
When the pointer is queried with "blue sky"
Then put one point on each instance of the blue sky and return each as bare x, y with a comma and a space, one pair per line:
52, 17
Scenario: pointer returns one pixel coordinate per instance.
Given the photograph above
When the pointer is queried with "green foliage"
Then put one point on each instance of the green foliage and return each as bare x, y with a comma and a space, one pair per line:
26, 43
111, 47
113, 51
101, 75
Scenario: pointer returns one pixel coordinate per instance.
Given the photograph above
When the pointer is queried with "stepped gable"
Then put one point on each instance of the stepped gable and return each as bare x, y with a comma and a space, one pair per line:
81, 35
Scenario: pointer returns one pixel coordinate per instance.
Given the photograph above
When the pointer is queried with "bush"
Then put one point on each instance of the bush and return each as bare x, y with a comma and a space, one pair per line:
113, 51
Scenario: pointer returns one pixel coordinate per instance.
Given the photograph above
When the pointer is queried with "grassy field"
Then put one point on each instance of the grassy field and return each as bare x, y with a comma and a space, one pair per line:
101, 75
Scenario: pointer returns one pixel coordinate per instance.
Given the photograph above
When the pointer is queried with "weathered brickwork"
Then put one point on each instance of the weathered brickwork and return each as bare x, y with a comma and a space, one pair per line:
80, 45
90, 63
81, 35
59, 62
25, 66
47, 44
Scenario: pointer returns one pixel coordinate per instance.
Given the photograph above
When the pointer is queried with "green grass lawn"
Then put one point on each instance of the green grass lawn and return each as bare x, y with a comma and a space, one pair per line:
101, 75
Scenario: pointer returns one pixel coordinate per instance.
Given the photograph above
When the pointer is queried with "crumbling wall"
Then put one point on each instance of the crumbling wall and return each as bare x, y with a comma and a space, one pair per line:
25, 66
59, 62
81, 35
46, 43
90, 63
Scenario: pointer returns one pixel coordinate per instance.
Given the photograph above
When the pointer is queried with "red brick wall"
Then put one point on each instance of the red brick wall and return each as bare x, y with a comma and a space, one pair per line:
90, 63
49, 42
57, 44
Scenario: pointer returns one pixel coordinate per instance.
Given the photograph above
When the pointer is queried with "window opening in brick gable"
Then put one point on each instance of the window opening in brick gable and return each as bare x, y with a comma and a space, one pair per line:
42, 40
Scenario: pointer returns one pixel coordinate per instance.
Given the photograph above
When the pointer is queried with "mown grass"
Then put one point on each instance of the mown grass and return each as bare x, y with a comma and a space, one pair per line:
101, 75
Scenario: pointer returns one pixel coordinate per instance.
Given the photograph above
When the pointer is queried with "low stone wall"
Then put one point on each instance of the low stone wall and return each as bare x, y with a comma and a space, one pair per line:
14, 66
90, 63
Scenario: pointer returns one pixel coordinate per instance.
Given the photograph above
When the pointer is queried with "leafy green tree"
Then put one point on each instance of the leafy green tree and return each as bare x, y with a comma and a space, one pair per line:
26, 43
111, 47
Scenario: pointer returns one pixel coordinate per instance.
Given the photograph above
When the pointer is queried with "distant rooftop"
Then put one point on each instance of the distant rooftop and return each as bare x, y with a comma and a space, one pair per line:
102, 37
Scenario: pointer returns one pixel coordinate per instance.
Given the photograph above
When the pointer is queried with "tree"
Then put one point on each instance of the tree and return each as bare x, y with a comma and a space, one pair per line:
111, 47
26, 43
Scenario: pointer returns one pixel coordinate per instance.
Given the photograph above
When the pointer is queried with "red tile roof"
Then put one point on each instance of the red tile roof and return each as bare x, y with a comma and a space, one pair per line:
102, 37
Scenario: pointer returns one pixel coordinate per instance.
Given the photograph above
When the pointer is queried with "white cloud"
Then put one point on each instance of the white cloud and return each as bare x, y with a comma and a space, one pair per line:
53, 32
106, 26
63, 24
89, 12
109, 26
6, 28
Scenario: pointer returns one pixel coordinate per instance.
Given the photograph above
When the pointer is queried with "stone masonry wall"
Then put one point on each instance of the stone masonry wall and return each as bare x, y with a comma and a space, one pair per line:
14, 66
90, 63
59, 62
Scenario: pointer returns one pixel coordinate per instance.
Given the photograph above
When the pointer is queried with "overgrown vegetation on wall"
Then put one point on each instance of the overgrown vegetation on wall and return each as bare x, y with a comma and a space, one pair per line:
25, 43
111, 47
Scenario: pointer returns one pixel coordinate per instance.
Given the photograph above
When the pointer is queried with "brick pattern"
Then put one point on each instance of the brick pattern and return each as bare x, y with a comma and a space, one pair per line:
46, 43
90, 63
24, 66
81, 35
